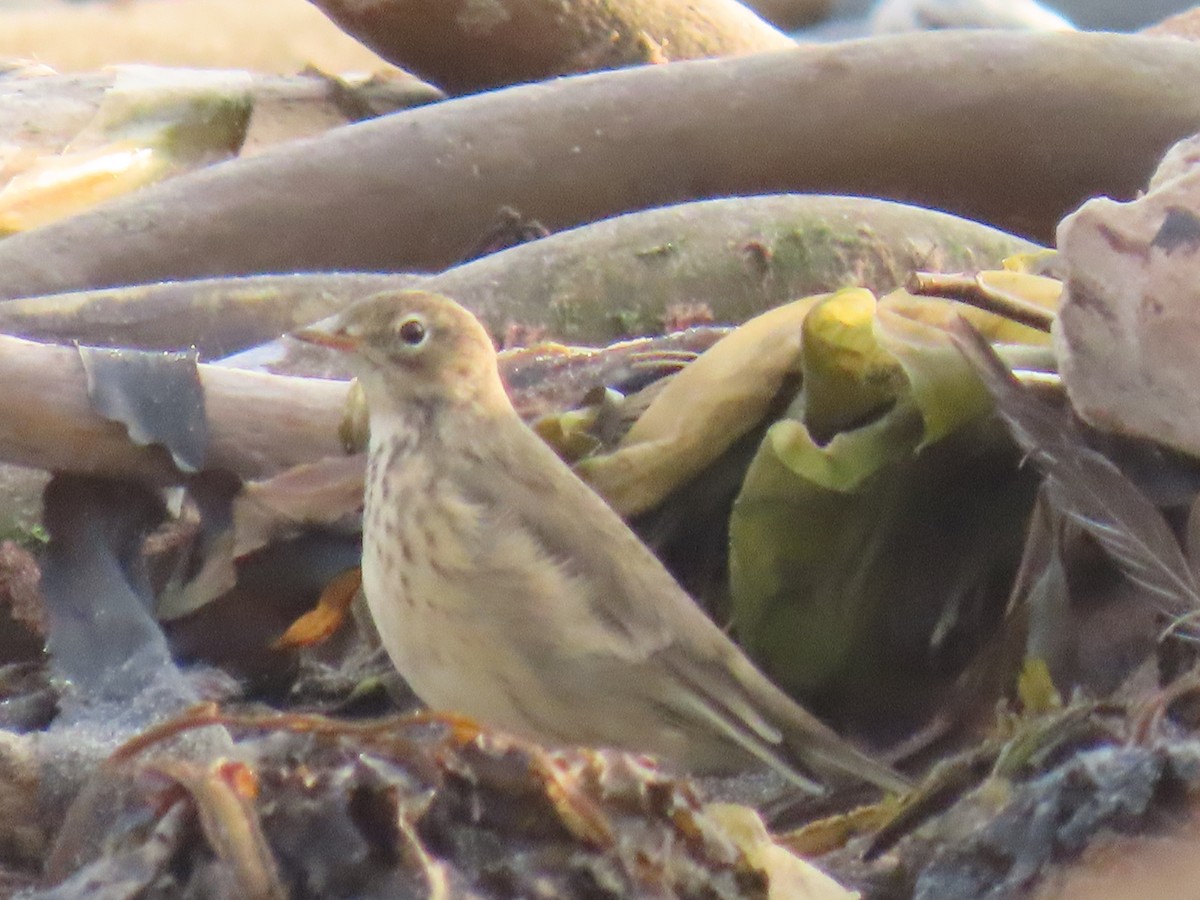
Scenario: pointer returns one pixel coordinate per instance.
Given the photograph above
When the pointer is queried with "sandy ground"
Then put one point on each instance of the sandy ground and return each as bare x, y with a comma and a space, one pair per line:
266, 35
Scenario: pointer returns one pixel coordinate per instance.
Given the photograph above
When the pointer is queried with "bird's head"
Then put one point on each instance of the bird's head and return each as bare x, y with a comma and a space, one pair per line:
414, 347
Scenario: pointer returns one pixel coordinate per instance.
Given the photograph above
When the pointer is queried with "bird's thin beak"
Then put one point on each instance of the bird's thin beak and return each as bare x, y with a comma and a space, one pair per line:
323, 336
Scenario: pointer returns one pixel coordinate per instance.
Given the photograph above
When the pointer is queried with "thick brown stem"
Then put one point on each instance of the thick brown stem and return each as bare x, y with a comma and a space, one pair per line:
465, 46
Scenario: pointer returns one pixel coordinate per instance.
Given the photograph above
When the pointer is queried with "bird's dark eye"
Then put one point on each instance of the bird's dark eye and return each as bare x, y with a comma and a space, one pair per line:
412, 332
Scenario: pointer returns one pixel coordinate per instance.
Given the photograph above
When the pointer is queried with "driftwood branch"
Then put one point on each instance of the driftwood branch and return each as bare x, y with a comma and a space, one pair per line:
258, 424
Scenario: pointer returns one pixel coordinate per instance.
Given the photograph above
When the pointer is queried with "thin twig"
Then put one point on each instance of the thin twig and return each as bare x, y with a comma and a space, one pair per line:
971, 291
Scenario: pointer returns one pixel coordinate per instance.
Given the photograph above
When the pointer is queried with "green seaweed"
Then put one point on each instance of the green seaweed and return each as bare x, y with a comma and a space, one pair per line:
882, 517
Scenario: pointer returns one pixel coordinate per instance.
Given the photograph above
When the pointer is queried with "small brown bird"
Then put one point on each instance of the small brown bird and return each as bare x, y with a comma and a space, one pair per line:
505, 589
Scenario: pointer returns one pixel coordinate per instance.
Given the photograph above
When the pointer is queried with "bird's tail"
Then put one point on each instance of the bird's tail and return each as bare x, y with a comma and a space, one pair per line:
767, 724
831, 756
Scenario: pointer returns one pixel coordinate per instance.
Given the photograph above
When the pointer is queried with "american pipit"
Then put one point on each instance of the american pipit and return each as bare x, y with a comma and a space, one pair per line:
506, 590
